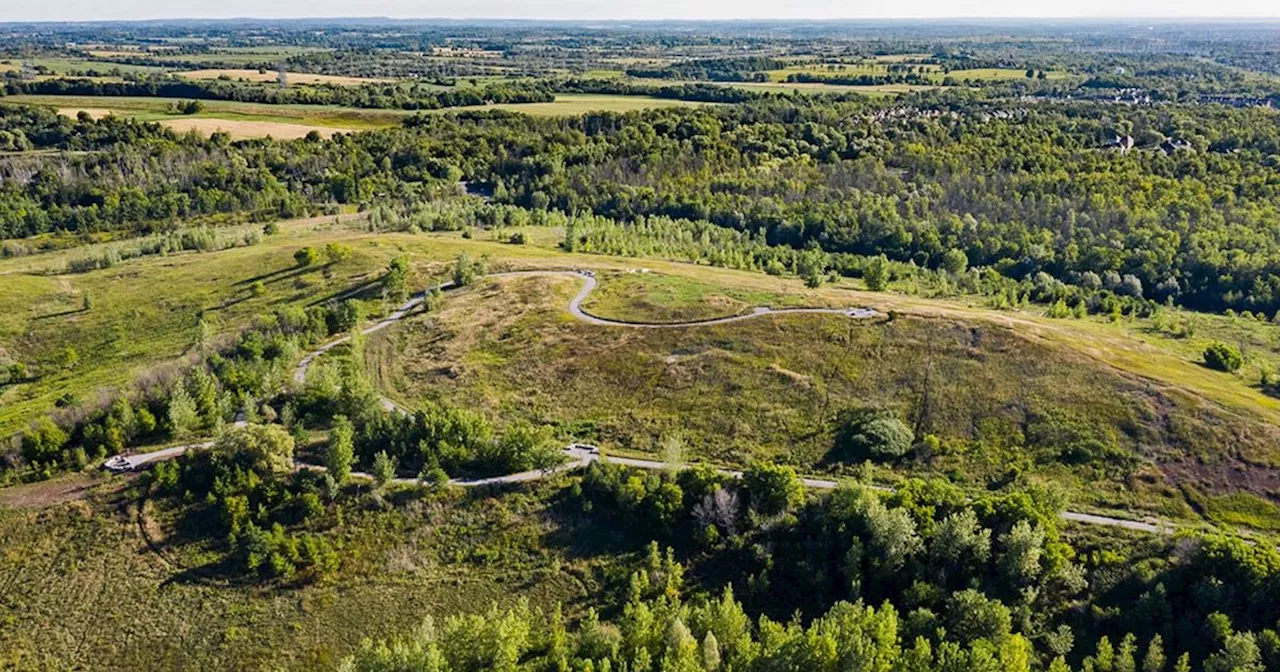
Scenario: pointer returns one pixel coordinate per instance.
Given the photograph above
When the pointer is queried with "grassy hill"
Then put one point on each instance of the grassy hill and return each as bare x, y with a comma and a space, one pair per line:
1008, 393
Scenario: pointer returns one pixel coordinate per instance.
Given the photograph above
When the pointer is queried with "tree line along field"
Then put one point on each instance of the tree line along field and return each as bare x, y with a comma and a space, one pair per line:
255, 120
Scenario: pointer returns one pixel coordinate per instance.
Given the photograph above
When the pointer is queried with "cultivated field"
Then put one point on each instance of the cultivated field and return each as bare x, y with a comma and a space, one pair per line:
272, 76
320, 117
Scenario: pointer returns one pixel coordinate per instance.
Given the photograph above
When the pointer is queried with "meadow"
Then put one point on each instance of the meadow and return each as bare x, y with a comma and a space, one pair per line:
147, 595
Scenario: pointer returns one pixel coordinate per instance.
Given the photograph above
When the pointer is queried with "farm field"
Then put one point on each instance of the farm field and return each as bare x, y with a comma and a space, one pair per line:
934, 72
572, 104
288, 121
272, 76
157, 109
67, 65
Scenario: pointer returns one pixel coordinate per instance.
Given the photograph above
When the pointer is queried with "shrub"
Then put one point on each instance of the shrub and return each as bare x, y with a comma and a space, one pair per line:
307, 256
772, 488
1223, 357
870, 434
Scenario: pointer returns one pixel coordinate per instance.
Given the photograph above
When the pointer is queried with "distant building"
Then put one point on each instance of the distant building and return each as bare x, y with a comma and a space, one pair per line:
1124, 143
1171, 145
282, 76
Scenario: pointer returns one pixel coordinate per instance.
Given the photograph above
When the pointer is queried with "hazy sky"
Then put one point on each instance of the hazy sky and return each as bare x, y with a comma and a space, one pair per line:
61, 10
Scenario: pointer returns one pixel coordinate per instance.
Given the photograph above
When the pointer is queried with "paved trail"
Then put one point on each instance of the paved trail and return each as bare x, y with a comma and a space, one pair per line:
578, 456
575, 308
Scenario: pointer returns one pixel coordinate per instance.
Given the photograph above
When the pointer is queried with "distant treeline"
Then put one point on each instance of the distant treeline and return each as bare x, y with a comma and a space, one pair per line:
382, 96
864, 79
748, 69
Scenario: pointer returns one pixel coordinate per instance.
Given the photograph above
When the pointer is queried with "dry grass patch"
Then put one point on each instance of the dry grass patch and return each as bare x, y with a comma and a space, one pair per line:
250, 129
772, 387
272, 75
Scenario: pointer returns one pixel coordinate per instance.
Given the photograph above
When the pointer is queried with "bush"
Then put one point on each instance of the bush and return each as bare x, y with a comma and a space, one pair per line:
307, 256
772, 488
870, 434
1223, 357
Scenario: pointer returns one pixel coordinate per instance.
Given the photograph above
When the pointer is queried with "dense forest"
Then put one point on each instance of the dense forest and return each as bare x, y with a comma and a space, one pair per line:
1191, 211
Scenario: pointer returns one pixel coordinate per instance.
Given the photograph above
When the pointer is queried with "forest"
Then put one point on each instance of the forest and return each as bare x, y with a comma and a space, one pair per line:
1190, 211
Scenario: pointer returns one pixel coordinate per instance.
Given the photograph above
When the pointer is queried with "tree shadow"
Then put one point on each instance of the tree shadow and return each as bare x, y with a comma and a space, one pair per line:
362, 290
273, 276
74, 311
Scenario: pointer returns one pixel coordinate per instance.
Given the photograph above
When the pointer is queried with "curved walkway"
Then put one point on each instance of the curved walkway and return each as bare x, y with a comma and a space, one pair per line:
581, 455
575, 308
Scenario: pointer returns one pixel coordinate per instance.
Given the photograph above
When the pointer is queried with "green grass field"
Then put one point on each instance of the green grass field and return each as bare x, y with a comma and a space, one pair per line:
62, 66
934, 72
130, 329
157, 109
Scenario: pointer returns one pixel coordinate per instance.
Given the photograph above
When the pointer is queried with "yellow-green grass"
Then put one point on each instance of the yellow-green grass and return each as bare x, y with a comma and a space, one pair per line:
572, 104
106, 584
875, 90
64, 65
901, 58
144, 311
604, 74
1000, 74
840, 70
271, 76
640, 296
770, 387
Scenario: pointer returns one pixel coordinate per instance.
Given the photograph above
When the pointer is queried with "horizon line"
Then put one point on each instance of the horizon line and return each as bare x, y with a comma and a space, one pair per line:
481, 19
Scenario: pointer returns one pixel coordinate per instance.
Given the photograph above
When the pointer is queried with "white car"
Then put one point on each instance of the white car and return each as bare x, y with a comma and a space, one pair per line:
117, 463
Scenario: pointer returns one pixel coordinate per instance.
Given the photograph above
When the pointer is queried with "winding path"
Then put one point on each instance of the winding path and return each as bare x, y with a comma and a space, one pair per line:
581, 455
575, 308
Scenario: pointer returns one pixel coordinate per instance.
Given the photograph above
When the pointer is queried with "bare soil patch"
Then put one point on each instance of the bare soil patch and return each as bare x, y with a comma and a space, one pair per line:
46, 493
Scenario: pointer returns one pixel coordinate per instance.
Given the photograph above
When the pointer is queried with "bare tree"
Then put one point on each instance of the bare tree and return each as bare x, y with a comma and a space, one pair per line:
720, 508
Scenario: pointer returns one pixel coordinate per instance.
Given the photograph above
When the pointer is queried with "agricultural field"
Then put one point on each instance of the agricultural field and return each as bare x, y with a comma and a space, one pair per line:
64, 66
250, 120
162, 109
273, 76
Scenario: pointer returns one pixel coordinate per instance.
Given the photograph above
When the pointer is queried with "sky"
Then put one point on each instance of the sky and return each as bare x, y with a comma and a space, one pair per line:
86, 10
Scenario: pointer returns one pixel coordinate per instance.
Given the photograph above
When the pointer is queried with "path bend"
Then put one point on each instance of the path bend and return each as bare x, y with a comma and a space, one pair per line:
589, 285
